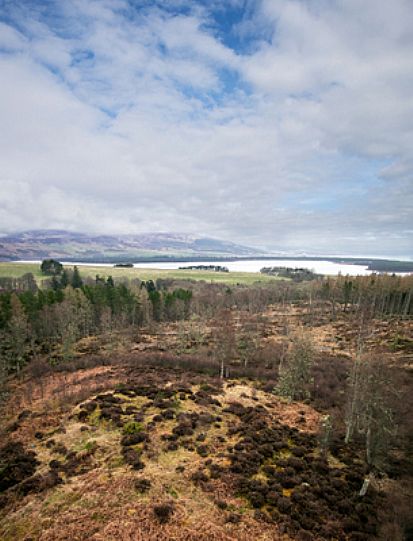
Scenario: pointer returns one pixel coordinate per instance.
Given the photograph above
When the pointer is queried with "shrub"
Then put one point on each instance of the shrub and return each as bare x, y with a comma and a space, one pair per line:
163, 512
234, 518
172, 446
199, 477
133, 458
142, 485
257, 499
202, 450
168, 414
133, 439
183, 430
16, 464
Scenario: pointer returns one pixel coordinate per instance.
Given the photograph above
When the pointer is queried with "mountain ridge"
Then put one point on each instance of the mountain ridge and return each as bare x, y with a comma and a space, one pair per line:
67, 245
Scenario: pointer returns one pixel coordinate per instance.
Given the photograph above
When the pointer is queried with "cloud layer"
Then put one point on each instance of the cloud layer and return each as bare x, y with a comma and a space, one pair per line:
282, 124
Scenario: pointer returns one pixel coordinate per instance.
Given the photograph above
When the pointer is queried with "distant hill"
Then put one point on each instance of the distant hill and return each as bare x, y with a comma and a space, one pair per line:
70, 246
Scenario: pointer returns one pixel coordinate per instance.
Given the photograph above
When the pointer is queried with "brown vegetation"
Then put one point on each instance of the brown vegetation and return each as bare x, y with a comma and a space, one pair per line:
155, 441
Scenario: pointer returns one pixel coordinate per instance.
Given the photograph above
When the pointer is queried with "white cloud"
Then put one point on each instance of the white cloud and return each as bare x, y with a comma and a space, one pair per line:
120, 120
11, 39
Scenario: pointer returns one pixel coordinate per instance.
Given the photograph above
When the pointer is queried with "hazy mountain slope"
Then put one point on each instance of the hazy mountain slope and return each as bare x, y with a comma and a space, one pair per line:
67, 245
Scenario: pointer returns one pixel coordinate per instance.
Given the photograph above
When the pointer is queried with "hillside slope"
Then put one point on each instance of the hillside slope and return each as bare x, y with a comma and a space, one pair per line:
66, 245
164, 455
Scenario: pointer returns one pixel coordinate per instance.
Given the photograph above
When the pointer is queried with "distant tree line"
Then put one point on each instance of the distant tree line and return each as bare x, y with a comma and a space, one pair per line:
212, 268
51, 267
295, 274
375, 295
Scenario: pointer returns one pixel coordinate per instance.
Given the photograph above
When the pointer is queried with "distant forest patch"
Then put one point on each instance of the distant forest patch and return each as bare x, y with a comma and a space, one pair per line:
390, 266
296, 274
212, 268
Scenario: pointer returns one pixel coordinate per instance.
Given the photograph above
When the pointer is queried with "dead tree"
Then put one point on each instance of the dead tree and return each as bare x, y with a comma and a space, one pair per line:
225, 340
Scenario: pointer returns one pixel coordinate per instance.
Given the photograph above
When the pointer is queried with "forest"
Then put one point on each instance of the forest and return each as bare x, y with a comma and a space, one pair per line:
276, 410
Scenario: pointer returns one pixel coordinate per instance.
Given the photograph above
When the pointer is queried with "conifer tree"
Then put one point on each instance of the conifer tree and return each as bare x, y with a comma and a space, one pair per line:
64, 281
295, 373
76, 281
18, 336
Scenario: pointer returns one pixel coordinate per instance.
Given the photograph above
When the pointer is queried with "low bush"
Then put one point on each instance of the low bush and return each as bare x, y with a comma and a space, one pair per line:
163, 512
142, 485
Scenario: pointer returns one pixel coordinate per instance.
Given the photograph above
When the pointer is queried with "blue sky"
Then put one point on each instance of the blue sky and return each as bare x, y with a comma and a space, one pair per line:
285, 124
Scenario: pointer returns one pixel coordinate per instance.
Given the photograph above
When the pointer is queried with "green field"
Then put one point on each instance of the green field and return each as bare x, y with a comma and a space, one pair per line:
18, 269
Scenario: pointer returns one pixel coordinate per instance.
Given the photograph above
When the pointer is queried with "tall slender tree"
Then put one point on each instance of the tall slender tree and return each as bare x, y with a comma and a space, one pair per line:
76, 281
295, 372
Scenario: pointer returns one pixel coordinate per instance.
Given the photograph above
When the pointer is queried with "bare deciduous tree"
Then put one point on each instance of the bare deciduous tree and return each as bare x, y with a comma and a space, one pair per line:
369, 415
225, 341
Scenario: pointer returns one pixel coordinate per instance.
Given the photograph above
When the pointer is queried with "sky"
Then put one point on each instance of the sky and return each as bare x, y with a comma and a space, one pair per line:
280, 124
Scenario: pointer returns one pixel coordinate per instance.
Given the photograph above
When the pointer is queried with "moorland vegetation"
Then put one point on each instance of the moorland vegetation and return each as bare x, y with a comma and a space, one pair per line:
142, 409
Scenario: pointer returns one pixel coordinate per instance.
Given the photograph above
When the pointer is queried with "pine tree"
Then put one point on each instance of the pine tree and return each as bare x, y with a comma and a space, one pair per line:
18, 336
54, 283
76, 281
295, 373
64, 280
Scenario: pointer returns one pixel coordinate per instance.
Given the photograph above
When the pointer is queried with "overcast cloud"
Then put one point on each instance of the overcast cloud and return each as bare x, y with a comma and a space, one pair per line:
285, 124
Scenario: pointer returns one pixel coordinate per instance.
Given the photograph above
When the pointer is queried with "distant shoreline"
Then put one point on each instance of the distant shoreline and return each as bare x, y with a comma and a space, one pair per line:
371, 264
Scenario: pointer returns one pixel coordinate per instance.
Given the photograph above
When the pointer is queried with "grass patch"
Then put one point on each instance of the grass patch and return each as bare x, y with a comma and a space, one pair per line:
14, 529
172, 492
132, 428
94, 417
238, 508
98, 517
115, 463
16, 270
85, 444
61, 499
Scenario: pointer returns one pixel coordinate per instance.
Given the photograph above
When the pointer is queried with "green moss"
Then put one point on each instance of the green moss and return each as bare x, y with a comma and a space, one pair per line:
172, 492
94, 417
132, 428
